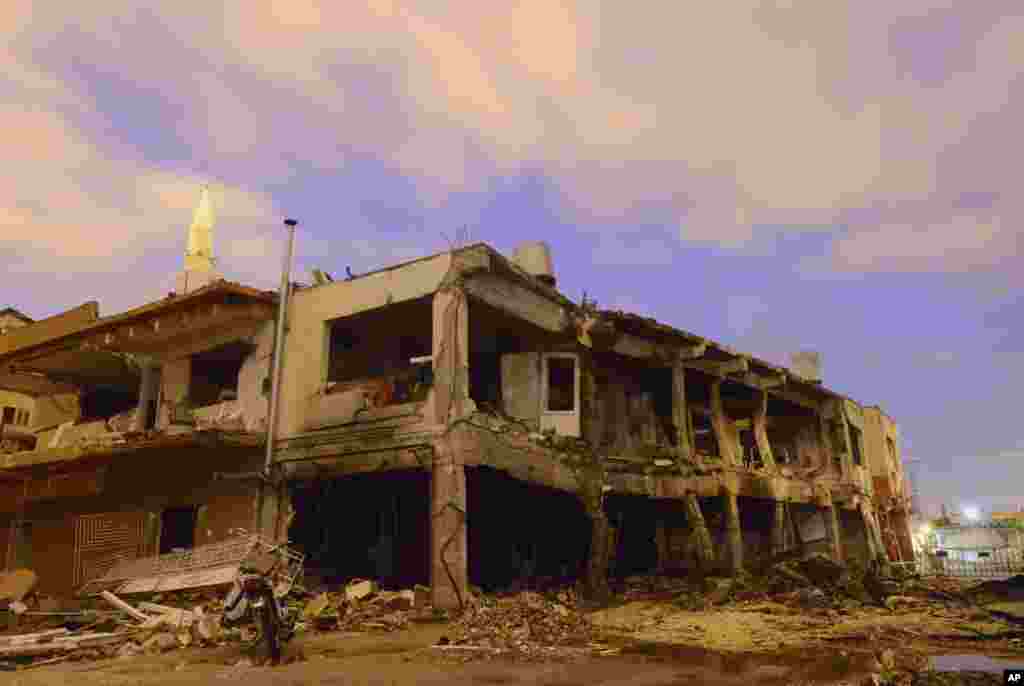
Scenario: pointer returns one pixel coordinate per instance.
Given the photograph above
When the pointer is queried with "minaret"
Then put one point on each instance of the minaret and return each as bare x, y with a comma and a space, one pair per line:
199, 262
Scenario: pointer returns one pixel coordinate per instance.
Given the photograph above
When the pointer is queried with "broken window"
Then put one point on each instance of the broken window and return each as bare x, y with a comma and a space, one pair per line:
104, 402
855, 438
560, 383
390, 347
748, 442
658, 382
704, 440
213, 376
177, 529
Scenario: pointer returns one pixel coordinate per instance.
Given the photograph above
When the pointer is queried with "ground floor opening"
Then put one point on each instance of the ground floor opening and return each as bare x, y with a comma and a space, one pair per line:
368, 526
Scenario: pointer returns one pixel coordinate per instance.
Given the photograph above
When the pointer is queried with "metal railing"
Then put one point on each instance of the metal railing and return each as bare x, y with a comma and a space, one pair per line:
994, 564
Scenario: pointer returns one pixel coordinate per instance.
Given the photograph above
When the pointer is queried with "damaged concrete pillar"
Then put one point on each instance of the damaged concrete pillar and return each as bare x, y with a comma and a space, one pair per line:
764, 446
699, 531
449, 559
146, 410
779, 528
827, 450
733, 532
681, 413
831, 514
876, 546
662, 546
602, 542
451, 355
720, 425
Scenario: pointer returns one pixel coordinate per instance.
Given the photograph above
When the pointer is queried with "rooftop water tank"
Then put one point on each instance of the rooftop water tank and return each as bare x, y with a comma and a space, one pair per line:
535, 259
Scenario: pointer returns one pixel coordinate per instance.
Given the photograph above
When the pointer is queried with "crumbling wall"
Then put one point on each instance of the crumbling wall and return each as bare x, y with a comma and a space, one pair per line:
52, 545
174, 380
635, 404
810, 452
220, 513
854, 536
253, 385
6, 542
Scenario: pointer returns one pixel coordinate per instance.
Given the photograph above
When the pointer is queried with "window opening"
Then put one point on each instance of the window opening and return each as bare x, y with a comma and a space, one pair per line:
704, 440
561, 382
214, 373
855, 445
178, 529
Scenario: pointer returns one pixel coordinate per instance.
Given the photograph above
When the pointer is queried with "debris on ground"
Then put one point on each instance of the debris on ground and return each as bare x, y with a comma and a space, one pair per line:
525, 625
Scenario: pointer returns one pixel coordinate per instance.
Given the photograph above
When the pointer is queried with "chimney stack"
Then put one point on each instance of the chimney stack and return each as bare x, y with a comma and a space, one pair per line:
807, 364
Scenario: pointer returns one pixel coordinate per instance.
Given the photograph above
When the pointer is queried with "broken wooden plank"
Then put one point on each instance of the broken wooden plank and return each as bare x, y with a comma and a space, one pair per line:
158, 609
21, 639
123, 606
63, 643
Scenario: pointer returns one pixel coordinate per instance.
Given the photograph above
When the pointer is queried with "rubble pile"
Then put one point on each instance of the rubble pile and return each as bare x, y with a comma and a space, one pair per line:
527, 623
362, 606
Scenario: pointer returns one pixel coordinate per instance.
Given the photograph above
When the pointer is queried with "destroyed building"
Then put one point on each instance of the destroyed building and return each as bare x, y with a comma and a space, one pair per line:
452, 420
169, 404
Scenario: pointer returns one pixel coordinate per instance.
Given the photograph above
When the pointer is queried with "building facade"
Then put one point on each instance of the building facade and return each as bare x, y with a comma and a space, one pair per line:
450, 420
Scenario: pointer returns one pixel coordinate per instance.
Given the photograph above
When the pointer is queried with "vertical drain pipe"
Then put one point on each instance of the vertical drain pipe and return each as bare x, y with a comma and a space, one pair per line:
276, 371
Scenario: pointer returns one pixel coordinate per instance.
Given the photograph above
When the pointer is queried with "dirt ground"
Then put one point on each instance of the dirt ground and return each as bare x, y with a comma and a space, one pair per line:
656, 632
407, 658
670, 651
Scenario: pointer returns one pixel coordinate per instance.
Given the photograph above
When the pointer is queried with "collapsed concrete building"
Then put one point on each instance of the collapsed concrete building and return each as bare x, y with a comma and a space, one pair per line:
452, 420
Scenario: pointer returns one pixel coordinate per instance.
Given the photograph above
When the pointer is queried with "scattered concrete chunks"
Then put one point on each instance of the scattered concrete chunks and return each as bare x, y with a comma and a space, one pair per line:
360, 590
316, 606
16, 584
160, 643
403, 600
421, 597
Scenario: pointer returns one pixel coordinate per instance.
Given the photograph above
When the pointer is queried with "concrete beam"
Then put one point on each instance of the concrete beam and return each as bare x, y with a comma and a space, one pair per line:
519, 302
737, 365
693, 352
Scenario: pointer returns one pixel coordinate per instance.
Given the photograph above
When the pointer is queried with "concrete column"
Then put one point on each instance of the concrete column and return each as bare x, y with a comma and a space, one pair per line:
149, 388
681, 412
699, 531
449, 559
451, 355
876, 546
831, 514
733, 532
760, 423
779, 528
719, 422
661, 543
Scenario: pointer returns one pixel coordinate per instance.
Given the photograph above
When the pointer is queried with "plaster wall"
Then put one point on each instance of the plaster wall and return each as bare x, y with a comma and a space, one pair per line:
878, 428
311, 310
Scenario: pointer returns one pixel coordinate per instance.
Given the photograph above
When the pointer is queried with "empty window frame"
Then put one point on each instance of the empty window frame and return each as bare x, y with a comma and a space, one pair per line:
561, 383
855, 438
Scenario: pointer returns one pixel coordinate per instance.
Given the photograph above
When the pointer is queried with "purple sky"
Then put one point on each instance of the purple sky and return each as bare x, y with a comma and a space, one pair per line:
775, 175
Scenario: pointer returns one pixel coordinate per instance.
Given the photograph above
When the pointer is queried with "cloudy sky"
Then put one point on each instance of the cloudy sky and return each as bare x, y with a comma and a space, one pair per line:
832, 174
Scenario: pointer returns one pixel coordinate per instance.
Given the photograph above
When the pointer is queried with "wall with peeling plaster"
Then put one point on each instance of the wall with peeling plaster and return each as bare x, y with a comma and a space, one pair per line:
310, 311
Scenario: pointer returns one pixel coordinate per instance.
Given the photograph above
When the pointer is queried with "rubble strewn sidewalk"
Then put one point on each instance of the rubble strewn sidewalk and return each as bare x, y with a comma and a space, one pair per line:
786, 604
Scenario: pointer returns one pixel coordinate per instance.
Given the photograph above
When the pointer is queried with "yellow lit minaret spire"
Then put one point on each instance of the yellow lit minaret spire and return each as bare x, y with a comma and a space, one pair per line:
199, 261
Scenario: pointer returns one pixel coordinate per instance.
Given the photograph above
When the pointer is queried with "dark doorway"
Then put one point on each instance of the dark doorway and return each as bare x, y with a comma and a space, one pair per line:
177, 529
